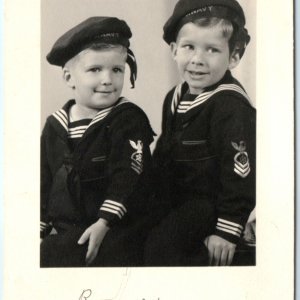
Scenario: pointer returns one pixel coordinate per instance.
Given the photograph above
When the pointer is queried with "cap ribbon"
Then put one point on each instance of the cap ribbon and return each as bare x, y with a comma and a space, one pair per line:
133, 66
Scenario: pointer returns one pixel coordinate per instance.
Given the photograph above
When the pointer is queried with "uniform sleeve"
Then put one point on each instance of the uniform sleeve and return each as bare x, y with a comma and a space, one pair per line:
233, 136
46, 181
128, 161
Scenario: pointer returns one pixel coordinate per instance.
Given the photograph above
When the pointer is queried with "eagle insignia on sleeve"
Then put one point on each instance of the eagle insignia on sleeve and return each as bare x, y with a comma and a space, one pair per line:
137, 156
241, 160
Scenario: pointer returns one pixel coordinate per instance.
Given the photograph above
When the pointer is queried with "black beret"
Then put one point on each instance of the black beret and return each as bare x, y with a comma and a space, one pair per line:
108, 30
226, 9
95, 29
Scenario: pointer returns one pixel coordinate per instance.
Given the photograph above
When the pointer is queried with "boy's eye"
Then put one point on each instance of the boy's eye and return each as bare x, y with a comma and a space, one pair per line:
212, 50
118, 70
95, 69
188, 47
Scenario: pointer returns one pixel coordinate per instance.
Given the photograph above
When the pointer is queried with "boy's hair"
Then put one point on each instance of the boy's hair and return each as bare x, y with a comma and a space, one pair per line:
229, 31
211, 11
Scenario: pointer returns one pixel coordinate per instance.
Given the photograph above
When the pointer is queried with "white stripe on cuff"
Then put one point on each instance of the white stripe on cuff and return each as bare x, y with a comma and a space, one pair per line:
229, 228
229, 231
236, 225
111, 211
116, 204
113, 208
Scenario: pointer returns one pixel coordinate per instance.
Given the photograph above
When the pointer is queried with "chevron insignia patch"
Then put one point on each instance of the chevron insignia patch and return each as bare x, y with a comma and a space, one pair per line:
241, 160
137, 156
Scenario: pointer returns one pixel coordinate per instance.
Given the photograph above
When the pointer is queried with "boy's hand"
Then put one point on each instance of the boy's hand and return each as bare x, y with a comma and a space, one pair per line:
95, 234
220, 251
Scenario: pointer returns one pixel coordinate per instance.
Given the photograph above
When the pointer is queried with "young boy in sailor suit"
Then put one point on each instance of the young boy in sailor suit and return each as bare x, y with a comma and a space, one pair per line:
95, 157
205, 156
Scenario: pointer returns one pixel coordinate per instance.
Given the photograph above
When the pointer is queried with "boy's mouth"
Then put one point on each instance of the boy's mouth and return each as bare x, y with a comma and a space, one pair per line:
197, 73
103, 92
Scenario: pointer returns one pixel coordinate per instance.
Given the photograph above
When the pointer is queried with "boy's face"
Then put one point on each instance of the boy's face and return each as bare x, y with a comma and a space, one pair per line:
97, 76
202, 56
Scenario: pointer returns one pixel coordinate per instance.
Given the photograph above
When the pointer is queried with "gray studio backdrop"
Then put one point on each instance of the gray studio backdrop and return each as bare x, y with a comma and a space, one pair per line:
156, 69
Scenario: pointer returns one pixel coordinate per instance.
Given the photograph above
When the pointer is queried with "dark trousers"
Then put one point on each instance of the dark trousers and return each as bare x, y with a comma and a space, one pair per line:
178, 239
122, 246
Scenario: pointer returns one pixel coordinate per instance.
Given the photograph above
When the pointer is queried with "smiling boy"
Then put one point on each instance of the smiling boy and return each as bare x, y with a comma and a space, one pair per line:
202, 56
97, 77
95, 157
205, 156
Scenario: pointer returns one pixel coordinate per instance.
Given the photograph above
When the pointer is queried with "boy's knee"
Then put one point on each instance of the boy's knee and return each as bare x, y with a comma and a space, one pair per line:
48, 250
62, 250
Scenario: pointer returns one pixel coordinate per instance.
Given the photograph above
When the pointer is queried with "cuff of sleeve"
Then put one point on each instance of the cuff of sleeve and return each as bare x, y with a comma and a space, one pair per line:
45, 229
228, 230
112, 211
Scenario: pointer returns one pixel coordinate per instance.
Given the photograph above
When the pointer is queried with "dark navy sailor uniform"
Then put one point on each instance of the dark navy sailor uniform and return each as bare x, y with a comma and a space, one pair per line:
98, 169
205, 169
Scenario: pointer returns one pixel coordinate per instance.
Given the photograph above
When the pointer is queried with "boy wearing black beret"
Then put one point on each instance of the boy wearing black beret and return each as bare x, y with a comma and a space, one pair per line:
95, 157
205, 156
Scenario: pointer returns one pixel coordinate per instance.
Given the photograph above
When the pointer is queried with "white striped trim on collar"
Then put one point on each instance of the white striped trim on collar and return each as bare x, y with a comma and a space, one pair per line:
184, 106
103, 113
63, 118
176, 97
77, 132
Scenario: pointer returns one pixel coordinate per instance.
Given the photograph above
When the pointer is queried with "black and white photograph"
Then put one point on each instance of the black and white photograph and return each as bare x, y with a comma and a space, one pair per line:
155, 150
106, 197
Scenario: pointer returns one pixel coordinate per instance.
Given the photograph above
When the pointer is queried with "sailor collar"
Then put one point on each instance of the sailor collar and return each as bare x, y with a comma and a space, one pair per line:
62, 115
180, 106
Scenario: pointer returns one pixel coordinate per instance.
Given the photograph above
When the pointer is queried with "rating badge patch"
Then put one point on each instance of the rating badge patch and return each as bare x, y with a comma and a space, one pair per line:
137, 156
241, 160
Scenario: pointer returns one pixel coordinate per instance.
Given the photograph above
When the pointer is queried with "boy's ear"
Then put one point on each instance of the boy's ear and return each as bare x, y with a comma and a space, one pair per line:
67, 76
173, 46
234, 59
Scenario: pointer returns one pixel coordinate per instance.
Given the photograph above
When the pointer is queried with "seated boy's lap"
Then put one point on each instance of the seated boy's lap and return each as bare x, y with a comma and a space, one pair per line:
123, 245
188, 217
178, 238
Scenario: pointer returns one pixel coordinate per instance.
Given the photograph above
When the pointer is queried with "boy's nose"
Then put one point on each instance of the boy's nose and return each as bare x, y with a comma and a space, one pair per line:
198, 58
106, 78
